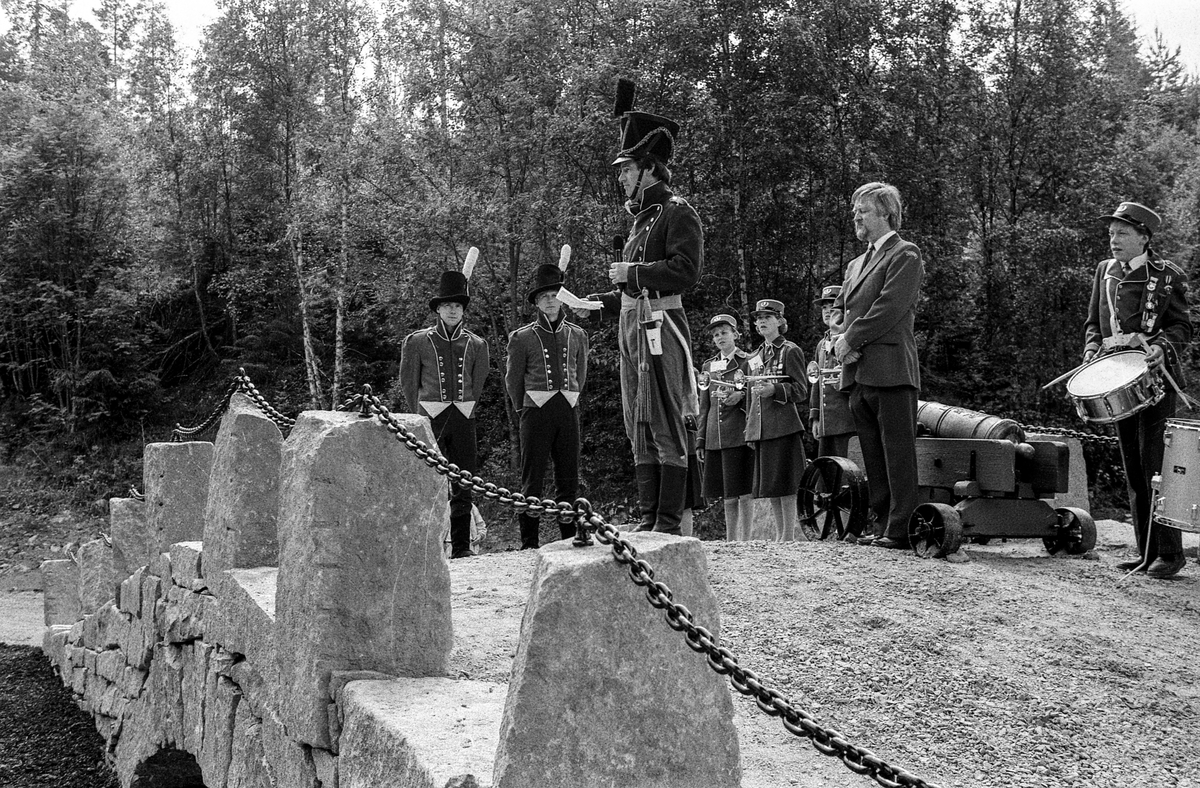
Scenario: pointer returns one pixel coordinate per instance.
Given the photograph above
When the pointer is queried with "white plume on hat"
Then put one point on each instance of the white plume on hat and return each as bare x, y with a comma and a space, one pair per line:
564, 257
469, 264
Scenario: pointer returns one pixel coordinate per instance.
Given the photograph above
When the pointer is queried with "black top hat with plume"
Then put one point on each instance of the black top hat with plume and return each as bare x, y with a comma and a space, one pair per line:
548, 277
453, 287
642, 133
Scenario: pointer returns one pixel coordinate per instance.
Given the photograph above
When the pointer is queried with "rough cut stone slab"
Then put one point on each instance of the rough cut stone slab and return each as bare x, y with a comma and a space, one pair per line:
133, 544
60, 601
363, 583
175, 476
186, 558
97, 575
603, 692
220, 706
243, 497
243, 621
427, 732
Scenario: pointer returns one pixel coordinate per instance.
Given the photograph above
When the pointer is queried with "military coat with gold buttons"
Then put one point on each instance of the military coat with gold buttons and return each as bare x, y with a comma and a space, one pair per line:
441, 368
544, 360
778, 413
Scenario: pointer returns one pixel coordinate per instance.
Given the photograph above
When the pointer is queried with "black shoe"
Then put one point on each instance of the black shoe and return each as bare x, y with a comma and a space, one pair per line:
865, 540
468, 553
890, 543
1166, 566
1129, 566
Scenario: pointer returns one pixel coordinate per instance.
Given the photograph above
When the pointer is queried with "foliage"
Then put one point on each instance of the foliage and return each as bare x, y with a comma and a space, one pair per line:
287, 201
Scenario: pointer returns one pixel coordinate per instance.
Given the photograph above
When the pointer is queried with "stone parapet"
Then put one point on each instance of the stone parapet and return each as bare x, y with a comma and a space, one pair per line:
603, 692
60, 599
358, 511
175, 477
243, 497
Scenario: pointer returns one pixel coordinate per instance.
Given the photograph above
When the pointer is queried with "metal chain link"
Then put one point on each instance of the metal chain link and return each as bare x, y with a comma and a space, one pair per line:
241, 382
795, 720
1085, 437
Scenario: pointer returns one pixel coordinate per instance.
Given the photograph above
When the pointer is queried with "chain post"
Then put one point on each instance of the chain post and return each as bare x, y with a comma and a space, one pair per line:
582, 523
365, 404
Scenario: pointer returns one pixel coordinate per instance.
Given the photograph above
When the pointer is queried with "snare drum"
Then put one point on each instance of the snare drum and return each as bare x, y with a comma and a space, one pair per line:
1114, 387
1177, 500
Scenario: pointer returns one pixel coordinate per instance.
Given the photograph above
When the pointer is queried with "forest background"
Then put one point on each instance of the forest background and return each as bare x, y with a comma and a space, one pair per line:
286, 202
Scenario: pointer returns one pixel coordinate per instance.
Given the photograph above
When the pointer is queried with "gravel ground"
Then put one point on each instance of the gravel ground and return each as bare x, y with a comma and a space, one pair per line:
1012, 669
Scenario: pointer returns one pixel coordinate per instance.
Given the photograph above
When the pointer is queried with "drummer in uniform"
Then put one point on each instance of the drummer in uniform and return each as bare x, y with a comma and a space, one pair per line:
829, 415
728, 461
773, 422
1139, 301
442, 371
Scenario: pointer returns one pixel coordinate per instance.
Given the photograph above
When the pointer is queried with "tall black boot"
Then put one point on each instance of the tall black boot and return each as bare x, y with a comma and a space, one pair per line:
648, 479
672, 496
529, 531
460, 536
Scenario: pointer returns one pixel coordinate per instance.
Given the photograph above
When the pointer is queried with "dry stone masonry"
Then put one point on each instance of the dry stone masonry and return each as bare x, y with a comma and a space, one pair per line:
276, 614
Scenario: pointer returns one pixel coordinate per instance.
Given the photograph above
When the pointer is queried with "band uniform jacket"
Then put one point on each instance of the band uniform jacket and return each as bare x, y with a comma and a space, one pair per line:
829, 406
440, 370
1150, 300
879, 301
544, 361
779, 414
723, 426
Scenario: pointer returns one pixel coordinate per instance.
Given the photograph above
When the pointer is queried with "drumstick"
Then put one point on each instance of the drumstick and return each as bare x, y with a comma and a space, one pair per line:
1191, 403
1064, 376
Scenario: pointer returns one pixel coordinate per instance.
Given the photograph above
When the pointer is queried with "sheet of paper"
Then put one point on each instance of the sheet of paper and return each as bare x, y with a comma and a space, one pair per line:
575, 302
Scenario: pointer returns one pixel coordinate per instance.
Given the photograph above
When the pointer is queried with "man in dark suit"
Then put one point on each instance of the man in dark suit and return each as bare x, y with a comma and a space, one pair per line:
878, 352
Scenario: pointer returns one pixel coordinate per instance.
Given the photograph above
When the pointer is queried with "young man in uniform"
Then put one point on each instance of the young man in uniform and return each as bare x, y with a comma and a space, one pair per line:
442, 371
547, 368
661, 258
1139, 300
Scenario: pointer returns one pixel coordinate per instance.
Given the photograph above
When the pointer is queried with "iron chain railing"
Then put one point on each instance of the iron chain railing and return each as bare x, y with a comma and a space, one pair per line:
1085, 437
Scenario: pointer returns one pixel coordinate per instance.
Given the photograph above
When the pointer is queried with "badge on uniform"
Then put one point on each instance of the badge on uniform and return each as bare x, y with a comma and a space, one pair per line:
720, 365
756, 363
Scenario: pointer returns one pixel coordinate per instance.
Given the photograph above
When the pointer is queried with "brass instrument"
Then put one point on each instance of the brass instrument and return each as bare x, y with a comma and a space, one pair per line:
704, 381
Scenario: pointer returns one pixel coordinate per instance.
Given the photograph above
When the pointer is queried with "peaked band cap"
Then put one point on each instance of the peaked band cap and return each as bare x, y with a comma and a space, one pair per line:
722, 320
768, 306
546, 277
452, 288
1136, 214
829, 294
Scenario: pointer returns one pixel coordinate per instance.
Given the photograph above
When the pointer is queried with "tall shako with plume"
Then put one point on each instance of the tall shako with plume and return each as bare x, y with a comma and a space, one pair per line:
546, 370
442, 372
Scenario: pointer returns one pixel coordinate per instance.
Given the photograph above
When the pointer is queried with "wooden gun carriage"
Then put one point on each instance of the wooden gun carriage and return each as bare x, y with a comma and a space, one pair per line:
978, 478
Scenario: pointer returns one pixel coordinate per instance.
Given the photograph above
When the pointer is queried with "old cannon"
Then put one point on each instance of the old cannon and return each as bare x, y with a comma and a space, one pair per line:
979, 479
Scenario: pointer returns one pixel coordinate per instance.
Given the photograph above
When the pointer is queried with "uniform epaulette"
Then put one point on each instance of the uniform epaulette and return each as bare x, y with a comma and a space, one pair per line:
1174, 268
675, 198
741, 353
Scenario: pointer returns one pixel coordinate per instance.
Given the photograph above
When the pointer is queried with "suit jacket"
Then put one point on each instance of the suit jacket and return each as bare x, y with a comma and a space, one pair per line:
879, 300
1160, 312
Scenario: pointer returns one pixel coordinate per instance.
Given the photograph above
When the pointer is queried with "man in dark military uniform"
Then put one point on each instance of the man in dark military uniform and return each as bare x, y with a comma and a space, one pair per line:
547, 368
442, 371
662, 257
1137, 297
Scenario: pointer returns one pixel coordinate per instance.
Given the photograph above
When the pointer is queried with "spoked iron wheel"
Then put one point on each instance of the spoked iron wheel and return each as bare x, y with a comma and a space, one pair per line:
1075, 535
833, 499
935, 530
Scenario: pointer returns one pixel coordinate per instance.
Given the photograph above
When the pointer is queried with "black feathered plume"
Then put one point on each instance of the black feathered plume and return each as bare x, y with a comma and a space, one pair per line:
626, 89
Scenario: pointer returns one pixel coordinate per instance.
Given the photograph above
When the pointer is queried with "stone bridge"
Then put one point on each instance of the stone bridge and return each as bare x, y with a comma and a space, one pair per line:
278, 613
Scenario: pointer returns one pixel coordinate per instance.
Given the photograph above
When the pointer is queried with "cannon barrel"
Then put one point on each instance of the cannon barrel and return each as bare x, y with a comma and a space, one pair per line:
947, 421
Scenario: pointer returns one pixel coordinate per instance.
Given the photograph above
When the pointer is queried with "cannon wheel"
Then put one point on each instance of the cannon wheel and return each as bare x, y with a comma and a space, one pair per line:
1075, 534
833, 499
935, 530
